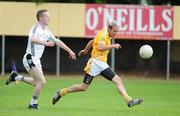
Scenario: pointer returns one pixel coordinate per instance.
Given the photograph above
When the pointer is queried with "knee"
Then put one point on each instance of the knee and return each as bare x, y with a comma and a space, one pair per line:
42, 82
83, 87
117, 80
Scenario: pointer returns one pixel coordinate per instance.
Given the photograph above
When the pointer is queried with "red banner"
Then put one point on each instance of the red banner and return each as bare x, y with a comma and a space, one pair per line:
135, 22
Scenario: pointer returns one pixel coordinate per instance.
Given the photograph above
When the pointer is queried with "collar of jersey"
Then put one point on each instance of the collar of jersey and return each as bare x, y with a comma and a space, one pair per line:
41, 27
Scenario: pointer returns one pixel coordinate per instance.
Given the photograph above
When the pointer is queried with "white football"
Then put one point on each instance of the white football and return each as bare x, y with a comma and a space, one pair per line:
146, 51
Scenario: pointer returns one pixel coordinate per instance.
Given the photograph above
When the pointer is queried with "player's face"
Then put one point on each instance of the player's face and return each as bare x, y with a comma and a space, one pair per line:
113, 31
45, 18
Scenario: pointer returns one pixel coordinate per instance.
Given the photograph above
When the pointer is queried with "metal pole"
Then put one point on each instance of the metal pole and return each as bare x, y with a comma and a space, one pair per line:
57, 60
168, 61
113, 56
3, 55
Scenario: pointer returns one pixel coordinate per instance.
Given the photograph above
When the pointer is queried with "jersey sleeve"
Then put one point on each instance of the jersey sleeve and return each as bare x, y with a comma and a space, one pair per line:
52, 37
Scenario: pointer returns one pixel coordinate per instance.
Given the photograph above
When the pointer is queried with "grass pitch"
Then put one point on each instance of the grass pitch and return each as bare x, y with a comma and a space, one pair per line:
101, 99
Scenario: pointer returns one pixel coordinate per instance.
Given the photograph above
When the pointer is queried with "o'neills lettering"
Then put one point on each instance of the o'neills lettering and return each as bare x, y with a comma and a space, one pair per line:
140, 22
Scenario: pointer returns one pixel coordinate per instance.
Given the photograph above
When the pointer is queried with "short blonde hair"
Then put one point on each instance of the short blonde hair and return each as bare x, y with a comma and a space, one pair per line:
112, 24
40, 12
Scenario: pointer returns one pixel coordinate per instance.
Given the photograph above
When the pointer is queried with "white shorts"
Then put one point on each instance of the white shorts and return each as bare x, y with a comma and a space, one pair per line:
35, 60
95, 67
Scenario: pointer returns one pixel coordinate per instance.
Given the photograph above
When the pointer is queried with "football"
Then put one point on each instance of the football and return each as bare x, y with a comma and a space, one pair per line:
146, 51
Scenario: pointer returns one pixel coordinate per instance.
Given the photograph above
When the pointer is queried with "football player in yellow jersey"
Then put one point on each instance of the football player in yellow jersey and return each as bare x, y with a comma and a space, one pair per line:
97, 64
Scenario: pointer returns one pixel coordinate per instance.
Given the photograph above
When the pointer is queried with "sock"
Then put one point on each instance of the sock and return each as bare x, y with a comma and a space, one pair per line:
34, 100
127, 98
63, 92
19, 78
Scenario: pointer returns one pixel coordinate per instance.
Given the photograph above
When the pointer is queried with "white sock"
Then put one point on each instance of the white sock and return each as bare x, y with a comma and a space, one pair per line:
19, 78
33, 100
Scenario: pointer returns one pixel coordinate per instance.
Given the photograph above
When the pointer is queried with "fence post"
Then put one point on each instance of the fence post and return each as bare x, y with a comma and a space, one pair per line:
3, 55
57, 60
113, 56
168, 60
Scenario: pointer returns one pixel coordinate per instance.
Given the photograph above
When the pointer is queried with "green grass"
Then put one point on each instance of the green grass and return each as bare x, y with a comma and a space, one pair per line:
161, 98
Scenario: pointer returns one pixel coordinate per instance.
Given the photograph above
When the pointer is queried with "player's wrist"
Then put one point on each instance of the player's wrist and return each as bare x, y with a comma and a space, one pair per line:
112, 46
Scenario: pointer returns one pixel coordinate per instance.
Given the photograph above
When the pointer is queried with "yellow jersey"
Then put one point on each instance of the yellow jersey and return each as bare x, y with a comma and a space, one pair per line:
101, 37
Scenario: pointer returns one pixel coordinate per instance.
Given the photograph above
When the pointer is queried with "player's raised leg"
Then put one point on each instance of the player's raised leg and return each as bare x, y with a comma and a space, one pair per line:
14, 76
120, 87
109, 74
74, 88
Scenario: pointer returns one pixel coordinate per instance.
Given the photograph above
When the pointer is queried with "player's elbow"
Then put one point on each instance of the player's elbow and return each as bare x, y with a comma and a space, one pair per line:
59, 43
100, 48
91, 42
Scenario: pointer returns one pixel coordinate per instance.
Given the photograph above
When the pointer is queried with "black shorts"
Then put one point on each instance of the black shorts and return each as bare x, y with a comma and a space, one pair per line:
88, 79
108, 73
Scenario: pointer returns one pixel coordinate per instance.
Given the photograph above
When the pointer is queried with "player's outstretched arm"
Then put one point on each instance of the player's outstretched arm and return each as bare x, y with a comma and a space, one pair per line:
102, 47
62, 45
86, 49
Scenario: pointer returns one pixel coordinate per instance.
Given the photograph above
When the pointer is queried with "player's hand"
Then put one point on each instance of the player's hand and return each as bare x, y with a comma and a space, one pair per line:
116, 46
49, 44
72, 55
82, 52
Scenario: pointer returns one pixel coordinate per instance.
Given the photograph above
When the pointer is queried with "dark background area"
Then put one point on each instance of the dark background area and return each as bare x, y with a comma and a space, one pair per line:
127, 58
